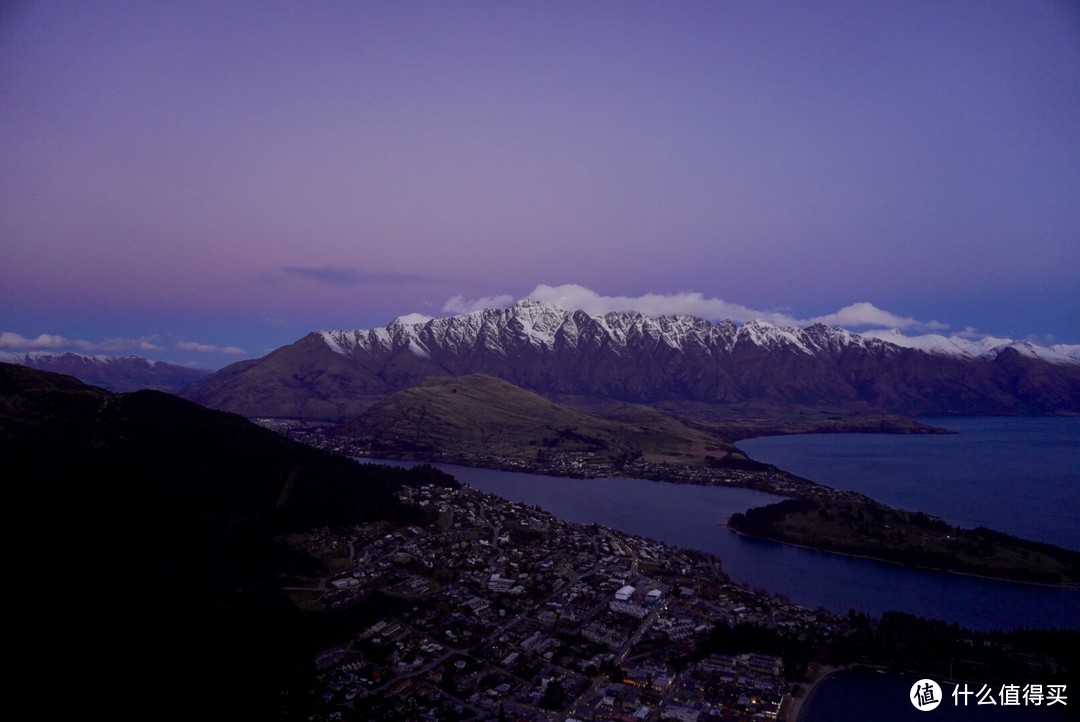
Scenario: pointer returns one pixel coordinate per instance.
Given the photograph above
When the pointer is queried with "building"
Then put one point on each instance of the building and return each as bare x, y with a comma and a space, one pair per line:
624, 607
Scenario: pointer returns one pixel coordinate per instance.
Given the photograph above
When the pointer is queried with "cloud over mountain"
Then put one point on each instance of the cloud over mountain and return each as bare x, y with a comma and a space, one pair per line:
572, 297
863, 314
15, 341
458, 304
11, 341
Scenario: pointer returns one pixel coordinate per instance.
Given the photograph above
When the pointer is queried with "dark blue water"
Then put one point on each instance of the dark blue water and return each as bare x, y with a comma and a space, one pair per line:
1021, 476
1016, 475
859, 696
694, 517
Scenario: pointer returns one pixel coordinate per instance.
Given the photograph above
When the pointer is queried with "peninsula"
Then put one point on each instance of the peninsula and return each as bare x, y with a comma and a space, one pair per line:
866, 528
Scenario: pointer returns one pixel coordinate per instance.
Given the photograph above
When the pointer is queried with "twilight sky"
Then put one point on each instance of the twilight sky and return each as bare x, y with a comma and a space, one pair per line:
203, 181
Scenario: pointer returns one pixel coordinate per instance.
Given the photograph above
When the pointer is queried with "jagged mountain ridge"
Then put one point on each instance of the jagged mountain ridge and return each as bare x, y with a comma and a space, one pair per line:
987, 348
633, 357
113, 373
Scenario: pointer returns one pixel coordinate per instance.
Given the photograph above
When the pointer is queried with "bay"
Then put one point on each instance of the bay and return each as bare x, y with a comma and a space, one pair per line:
1016, 475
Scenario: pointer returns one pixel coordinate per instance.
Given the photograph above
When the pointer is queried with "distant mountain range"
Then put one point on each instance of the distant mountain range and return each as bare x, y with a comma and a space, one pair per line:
630, 357
113, 373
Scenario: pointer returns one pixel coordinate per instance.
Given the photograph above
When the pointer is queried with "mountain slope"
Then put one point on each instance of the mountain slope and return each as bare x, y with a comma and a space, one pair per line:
479, 414
114, 373
305, 379
634, 358
141, 529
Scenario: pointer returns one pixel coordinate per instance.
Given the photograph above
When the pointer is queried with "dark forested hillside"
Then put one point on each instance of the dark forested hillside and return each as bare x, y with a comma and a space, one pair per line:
142, 529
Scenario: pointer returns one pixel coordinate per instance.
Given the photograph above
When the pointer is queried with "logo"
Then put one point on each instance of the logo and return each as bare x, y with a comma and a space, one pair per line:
925, 695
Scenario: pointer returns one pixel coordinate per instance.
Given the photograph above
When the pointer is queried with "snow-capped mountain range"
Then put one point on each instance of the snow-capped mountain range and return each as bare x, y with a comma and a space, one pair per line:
544, 325
633, 357
987, 347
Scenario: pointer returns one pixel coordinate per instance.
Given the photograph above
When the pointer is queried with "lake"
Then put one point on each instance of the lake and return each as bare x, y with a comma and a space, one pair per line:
694, 517
854, 696
1016, 475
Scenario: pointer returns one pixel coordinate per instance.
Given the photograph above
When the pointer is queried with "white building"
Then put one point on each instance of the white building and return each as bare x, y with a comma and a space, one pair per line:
624, 607
499, 583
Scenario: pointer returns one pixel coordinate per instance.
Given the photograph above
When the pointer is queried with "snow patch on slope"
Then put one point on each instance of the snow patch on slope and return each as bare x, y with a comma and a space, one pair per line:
333, 340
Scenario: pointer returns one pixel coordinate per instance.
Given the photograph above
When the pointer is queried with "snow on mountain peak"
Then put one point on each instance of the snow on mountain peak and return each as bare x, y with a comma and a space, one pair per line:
411, 319
334, 340
543, 325
1069, 351
985, 348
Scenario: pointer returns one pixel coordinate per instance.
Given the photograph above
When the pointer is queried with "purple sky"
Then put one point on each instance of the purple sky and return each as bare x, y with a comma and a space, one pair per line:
232, 175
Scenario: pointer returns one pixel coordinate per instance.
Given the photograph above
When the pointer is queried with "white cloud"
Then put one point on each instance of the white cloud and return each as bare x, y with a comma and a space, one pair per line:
572, 297
196, 346
458, 304
54, 342
115, 345
410, 318
867, 314
12, 340
207, 347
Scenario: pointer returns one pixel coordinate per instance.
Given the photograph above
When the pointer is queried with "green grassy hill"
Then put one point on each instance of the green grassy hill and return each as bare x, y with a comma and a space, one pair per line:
484, 415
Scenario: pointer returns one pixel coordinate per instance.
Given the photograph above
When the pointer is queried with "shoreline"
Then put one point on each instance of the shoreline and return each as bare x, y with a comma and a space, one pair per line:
793, 711
823, 491
1044, 585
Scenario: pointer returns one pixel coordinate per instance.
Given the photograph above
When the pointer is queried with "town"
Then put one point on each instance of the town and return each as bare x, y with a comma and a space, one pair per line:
496, 610
574, 464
